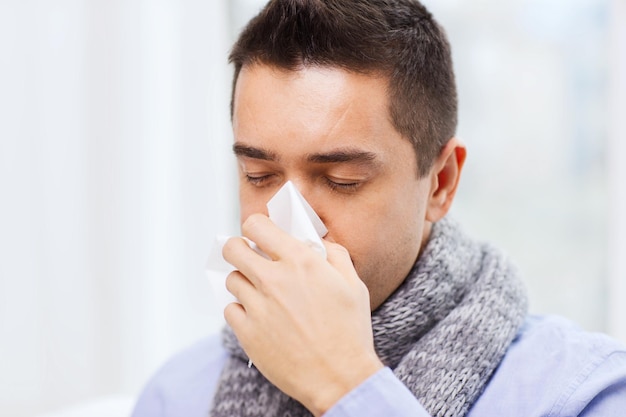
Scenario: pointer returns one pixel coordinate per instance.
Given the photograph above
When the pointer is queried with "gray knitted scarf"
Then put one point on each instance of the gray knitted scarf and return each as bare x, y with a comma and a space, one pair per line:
443, 332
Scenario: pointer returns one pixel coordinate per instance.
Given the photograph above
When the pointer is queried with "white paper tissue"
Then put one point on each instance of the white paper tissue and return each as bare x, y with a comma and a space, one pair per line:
289, 211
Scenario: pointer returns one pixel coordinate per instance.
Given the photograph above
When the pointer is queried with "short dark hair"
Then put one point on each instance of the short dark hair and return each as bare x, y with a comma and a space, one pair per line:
398, 38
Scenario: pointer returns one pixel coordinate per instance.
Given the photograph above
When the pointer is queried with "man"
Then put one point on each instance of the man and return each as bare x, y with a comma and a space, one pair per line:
354, 101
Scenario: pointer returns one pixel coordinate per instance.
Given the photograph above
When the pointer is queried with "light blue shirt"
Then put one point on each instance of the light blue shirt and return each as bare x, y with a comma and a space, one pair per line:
551, 369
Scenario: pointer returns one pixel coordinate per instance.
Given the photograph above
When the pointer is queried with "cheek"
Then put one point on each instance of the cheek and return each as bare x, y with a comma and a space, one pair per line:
358, 230
383, 239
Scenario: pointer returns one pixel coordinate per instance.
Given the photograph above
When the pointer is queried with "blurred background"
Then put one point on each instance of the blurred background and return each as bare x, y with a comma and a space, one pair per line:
116, 173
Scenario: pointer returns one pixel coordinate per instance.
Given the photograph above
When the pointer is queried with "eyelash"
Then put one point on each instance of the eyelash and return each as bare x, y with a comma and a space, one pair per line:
258, 181
334, 186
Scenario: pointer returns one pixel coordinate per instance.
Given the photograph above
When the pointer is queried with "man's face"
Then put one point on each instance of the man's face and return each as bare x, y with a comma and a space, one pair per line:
329, 132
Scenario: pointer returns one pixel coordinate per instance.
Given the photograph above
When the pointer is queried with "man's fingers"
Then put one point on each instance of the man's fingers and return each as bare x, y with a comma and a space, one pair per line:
241, 288
239, 254
235, 316
338, 257
269, 238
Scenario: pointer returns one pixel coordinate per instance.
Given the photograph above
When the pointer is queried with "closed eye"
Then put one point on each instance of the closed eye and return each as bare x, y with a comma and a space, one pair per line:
342, 186
258, 180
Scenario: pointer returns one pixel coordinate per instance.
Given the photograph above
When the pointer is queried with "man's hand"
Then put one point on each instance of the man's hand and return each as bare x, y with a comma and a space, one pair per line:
304, 321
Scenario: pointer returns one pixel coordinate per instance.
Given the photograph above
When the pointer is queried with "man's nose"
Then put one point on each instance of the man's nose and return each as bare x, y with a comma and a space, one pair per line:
305, 188
313, 195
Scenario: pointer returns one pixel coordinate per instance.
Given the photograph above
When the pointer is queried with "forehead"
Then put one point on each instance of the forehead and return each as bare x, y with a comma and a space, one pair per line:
320, 105
328, 73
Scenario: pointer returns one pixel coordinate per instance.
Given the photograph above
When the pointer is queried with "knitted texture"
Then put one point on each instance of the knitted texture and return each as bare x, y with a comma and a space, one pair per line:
443, 332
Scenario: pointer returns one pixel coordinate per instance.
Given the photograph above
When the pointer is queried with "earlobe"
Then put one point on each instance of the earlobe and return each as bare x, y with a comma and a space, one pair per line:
445, 175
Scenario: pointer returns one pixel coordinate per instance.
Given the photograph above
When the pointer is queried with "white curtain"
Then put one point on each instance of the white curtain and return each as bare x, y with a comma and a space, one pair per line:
114, 176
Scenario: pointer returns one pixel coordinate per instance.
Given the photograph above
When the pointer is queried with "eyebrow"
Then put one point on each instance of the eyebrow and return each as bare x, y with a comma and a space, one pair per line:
254, 153
342, 155
350, 155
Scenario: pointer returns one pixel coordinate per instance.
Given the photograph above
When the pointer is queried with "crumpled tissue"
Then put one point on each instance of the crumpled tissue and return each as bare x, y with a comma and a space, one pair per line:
289, 211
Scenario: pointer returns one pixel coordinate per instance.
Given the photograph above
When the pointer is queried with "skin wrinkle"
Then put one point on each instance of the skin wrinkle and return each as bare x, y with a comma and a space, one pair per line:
339, 120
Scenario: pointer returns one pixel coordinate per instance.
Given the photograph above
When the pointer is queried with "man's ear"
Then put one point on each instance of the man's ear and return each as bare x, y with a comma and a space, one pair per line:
445, 175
